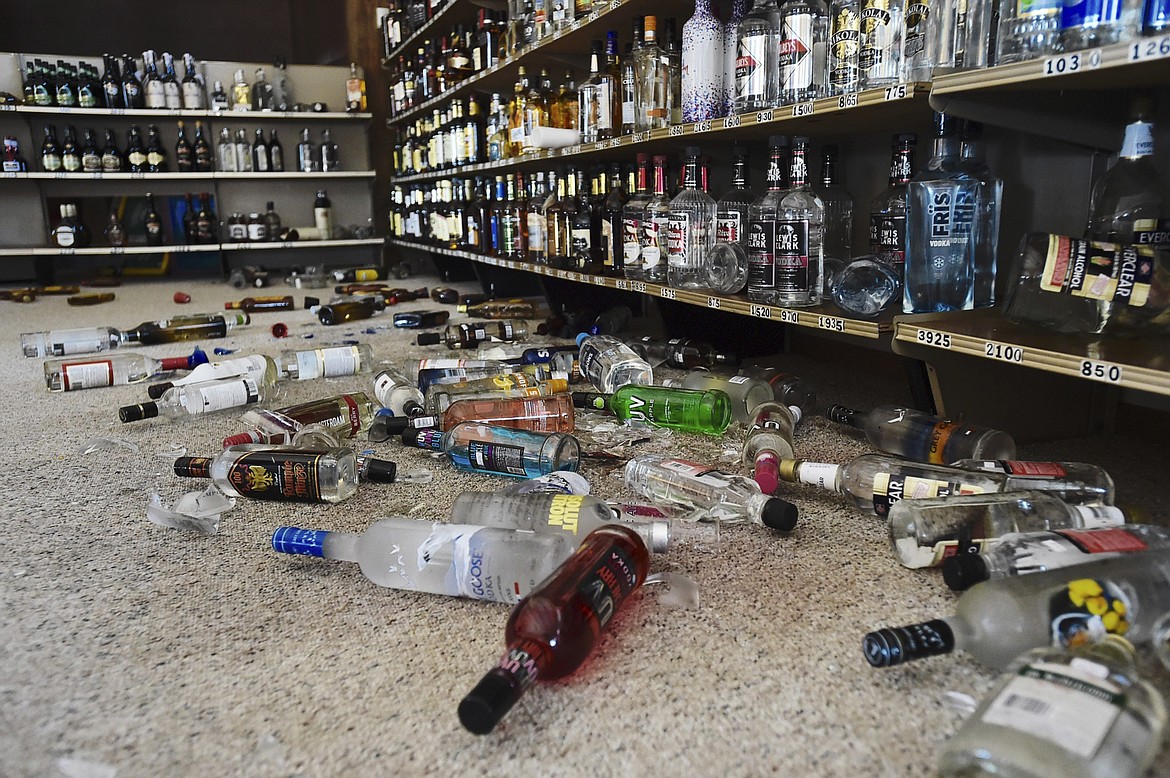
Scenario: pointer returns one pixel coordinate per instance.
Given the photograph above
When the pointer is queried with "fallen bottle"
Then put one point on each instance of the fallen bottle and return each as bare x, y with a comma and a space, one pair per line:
283, 473
69, 374
482, 448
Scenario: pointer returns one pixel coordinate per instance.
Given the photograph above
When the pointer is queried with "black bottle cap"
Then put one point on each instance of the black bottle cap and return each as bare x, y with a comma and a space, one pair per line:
428, 338
412, 438
592, 400
379, 471
155, 391
193, 467
843, 415
963, 571
310, 302
385, 427
894, 646
779, 514
138, 412
488, 702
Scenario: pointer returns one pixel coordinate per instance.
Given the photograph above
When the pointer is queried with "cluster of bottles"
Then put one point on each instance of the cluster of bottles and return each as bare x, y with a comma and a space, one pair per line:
149, 156
198, 219
257, 227
439, 64
119, 87
260, 95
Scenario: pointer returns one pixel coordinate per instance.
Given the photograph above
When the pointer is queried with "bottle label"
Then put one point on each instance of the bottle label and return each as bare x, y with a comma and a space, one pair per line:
761, 244
328, 362
192, 95
1098, 271
257, 232
676, 239
604, 116
1139, 137
238, 231
472, 563
653, 231
1109, 540
137, 158
844, 44
284, 475
581, 241
631, 242
1073, 705
210, 398
1036, 469
916, 28
155, 158
792, 267
796, 52
878, 57
51, 162
87, 375
727, 227
751, 67
697, 471
1088, 13
888, 488
888, 236
535, 232
64, 237
564, 512
608, 584
496, 457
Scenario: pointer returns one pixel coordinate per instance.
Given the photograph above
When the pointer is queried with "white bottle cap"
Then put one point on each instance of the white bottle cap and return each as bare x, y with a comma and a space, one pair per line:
1093, 516
797, 414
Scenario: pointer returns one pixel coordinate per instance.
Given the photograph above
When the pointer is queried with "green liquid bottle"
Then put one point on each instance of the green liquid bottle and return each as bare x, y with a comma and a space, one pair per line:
688, 410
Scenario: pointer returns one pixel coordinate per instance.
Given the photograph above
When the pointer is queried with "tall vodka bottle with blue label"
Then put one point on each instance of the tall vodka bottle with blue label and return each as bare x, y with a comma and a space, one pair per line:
942, 225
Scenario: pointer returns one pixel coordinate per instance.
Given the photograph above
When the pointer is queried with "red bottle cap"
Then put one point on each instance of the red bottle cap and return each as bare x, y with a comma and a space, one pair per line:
182, 297
280, 330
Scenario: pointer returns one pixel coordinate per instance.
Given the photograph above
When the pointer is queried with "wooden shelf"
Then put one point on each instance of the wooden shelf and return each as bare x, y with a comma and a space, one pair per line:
175, 113
1133, 363
185, 249
300, 244
213, 176
825, 318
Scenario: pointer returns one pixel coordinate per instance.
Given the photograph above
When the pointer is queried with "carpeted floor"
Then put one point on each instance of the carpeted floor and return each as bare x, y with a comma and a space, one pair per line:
130, 647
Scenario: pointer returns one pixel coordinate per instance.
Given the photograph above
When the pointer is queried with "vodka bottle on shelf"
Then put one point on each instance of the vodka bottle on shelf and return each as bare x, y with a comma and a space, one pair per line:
844, 46
799, 252
655, 228
343, 416
197, 399
997, 620
1130, 203
865, 286
763, 219
925, 532
690, 231
731, 52
887, 212
839, 206
1028, 31
633, 214
924, 437
875, 482
1035, 551
281, 473
918, 46
803, 39
555, 628
263, 369
715, 494
652, 81
69, 374
880, 56
607, 363
731, 217
974, 164
702, 65
482, 448
756, 67
686, 410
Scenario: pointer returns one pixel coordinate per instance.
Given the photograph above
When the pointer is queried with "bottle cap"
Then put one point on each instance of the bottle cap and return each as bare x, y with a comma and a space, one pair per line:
310, 302
843, 415
896, 645
963, 571
779, 514
385, 427
294, 540
138, 412
241, 438
489, 702
1093, 516
593, 400
193, 467
155, 391
557, 385
379, 471
767, 471
428, 338
280, 330
581, 337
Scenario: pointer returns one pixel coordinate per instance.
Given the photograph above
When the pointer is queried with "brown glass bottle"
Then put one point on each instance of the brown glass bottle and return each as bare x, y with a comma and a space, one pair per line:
255, 304
350, 310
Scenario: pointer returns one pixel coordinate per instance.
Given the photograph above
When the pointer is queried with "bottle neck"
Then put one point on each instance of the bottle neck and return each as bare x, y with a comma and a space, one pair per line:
776, 171
1139, 140
829, 170
902, 166
798, 169
946, 147
642, 175
659, 180
897, 645
847, 416
739, 173
691, 174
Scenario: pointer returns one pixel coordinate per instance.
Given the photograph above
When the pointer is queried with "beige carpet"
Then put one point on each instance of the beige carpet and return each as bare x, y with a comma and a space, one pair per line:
153, 652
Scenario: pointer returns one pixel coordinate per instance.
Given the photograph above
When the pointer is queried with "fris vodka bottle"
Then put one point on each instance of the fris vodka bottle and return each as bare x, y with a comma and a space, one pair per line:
687, 410
844, 46
756, 81
262, 369
197, 399
1084, 712
925, 532
396, 392
769, 440
482, 448
974, 164
924, 437
804, 33
698, 487
997, 620
555, 628
343, 416
690, 231
1024, 553
763, 217
71, 374
607, 363
943, 208
880, 57
480, 563
702, 65
281, 473
799, 236
874, 482
326, 362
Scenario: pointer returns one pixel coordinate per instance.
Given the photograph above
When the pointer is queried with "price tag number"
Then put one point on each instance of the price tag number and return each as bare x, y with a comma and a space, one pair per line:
638, 286
701, 127
620, 284
831, 323
847, 100
1101, 371
789, 317
731, 121
713, 303
668, 293
676, 130
1072, 63
761, 311
803, 109
763, 116
1004, 352
896, 92
934, 338
1154, 48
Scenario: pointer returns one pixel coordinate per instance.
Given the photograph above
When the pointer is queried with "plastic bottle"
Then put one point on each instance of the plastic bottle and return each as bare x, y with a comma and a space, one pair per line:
326, 362
482, 448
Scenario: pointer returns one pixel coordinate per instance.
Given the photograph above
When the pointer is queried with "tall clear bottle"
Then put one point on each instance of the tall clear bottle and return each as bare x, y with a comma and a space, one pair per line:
943, 210
191, 400
608, 363
763, 218
731, 51
731, 212
974, 163
633, 214
887, 212
490, 450
652, 81
757, 84
327, 362
923, 436
340, 416
918, 45
702, 65
1028, 30
690, 231
655, 227
839, 206
800, 219
880, 56
1130, 203
70, 375
844, 46
804, 44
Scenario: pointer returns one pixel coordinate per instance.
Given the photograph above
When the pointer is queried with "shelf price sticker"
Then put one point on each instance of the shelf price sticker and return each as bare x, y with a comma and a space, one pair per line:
763, 116
621, 284
638, 286
895, 92
667, 292
675, 130
117, 249
804, 109
789, 316
713, 303
731, 121
1101, 371
831, 323
761, 311
7, 106
1003, 352
1151, 48
702, 126
934, 338
1073, 62
848, 100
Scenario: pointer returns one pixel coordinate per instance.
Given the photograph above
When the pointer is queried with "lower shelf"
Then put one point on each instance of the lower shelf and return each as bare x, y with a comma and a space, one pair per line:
185, 248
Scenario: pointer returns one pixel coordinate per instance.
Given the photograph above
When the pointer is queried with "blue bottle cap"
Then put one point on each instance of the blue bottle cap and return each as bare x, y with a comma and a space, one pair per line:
582, 336
294, 540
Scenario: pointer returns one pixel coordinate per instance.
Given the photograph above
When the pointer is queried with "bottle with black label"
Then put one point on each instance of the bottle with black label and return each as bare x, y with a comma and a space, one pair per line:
152, 223
260, 157
491, 450
343, 416
763, 216
112, 83
206, 225
284, 473
323, 215
800, 217
887, 212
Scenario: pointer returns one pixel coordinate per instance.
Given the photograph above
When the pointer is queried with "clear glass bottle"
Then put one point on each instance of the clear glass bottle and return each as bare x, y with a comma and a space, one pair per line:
327, 362
925, 532
838, 219
633, 215
710, 492
731, 51
489, 450
804, 43
655, 226
439, 397
1028, 30
800, 218
342, 416
687, 410
282, 473
756, 65
607, 363
874, 482
731, 225
746, 393
769, 439
690, 231
942, 224
540, 413
844, 46
258, 367
787, 389
924, 437
880, 56
1130, 203
396, 392
629, 75
887, 212
191, 400
652, 81
241, 97
762, 221
702, 65
865, 286
70, 375
974, 164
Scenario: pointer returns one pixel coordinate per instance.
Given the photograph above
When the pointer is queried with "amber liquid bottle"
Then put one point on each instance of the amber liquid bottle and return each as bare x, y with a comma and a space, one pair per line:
255, 304
554, 629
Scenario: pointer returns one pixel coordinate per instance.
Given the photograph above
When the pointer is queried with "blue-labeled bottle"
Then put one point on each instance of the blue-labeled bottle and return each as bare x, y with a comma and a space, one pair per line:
942, 229
491, 450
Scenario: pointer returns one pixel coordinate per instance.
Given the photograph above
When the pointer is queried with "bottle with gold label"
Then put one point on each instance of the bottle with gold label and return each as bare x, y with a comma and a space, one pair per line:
924, 437
282, 473
254, 304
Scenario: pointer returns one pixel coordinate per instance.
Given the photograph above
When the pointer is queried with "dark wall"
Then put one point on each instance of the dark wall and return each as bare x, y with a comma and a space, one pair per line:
249, 30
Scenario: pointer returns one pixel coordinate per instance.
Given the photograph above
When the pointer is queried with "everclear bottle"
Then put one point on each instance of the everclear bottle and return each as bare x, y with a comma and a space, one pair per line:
1131, 202
633, 214
800, 221
607, 363
942, 211
197, 399
880, 57
1071, 606
974, 165
1028, 29
326, 362
925, 532
874, 482
715, 494
804, 33
655, 226
924, 437
481, 563
482, 448
343, 416
279, 473
769, 439
69, 375
844, 46
1035, 551
762, 223
690, 231
887, 213
756, 82
687, 410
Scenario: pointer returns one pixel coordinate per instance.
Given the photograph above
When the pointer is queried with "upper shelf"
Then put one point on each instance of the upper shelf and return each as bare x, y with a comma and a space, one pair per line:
177, 113
454, 13
889, 108
216, 175
825, 318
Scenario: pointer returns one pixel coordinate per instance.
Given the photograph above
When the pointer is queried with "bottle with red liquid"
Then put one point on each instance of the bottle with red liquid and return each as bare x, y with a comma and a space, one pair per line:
554, 629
